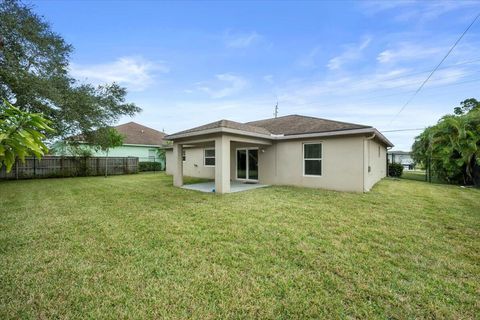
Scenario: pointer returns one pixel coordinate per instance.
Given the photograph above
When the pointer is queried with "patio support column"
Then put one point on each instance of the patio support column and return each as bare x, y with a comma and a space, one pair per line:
222, 164
178, 163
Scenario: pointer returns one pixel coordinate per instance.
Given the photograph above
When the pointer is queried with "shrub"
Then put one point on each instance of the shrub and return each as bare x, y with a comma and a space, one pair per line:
395, 169
451, 147
149, 166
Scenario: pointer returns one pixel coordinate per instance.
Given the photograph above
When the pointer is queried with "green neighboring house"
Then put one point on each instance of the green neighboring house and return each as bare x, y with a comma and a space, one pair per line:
139, 141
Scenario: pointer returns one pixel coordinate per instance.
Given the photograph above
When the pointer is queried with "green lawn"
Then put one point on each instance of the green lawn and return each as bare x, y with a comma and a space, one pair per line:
418, 175
135, 247
414, 175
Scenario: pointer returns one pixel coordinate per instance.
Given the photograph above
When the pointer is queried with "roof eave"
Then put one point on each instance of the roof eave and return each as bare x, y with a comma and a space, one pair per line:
380, 136
371, 130
141, 145
174, 137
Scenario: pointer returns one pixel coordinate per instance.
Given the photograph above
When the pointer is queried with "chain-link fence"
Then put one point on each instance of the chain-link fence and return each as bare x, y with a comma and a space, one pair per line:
427, 172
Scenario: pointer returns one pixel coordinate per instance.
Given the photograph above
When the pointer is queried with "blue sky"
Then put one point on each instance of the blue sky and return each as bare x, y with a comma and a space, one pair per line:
189, 63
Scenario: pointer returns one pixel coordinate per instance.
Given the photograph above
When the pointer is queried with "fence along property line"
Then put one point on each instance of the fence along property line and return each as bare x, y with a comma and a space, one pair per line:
58, 166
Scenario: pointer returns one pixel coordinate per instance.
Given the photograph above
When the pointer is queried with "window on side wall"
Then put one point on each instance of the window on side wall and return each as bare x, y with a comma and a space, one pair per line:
152, 154
209, 157
184, 155
312, 159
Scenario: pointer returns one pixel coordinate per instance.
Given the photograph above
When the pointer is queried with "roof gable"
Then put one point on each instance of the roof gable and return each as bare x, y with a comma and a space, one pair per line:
226, 124
135, 133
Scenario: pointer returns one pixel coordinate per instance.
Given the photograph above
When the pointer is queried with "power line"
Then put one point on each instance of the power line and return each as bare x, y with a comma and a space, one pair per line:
434, 69
367, 99
406, 76
398, 130
412, 74
425, 71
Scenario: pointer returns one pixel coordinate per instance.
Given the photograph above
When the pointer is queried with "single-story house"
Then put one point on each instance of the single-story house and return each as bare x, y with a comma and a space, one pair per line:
291, 150
138, 141
402, 157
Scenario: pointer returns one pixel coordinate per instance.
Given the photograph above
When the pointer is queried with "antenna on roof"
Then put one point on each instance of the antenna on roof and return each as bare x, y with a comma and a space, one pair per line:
275, 112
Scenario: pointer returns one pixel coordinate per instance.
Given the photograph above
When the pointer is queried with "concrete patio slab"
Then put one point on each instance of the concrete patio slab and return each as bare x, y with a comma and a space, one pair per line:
235, 186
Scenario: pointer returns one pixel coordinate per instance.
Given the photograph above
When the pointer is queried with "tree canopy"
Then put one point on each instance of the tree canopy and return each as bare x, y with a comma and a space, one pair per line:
452, 146
21, 134
105, 138
34, 76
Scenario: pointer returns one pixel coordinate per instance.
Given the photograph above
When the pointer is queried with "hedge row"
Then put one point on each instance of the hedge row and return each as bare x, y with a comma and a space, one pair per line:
150, 166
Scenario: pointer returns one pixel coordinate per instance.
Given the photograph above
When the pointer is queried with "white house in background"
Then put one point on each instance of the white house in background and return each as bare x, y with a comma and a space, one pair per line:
402, 157
291, 150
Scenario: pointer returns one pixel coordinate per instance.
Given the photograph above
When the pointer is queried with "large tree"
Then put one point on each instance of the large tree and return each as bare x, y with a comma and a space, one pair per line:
451, 148
34, 76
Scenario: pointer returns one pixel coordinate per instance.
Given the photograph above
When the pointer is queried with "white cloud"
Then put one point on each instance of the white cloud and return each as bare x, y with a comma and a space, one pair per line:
408, 51
351, 53
226, 84
416, 11
363, 87
241, 40
269, 78
308, 60
134, 72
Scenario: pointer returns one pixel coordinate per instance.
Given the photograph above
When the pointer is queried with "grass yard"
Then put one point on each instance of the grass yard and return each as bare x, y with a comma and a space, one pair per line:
419, 175
135, 247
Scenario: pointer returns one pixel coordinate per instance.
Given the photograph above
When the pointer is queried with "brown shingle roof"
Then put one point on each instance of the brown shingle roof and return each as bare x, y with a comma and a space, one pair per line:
286, 125
225, 124
296, 124
135, 133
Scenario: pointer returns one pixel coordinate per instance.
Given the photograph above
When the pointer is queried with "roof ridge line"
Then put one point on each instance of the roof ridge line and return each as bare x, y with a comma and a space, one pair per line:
324, 119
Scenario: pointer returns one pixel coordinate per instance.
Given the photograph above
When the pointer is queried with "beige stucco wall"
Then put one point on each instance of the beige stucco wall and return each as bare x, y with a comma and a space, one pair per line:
344, 164
193, 165
375, 157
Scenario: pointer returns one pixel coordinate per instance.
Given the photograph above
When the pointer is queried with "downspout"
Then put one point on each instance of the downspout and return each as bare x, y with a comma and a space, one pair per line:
386, 162
365, 168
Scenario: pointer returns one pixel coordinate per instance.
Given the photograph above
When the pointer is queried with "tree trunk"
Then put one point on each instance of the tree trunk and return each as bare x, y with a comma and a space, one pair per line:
476, 174
106, 164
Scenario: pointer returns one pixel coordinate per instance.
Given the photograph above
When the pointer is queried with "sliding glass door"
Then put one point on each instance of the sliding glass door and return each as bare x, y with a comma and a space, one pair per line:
247, 164
241, 164
252, 171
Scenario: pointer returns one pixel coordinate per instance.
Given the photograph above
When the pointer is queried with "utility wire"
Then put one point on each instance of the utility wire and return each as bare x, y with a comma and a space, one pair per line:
434, 69
401, 77
462, 75
373, 98
398, 130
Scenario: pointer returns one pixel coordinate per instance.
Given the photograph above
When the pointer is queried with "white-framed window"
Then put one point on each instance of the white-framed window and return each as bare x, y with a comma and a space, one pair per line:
312, 159
152, 154
184, 155
209, 157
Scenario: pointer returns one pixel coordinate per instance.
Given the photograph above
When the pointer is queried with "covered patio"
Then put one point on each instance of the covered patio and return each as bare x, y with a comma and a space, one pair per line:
235, 186
225, 139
